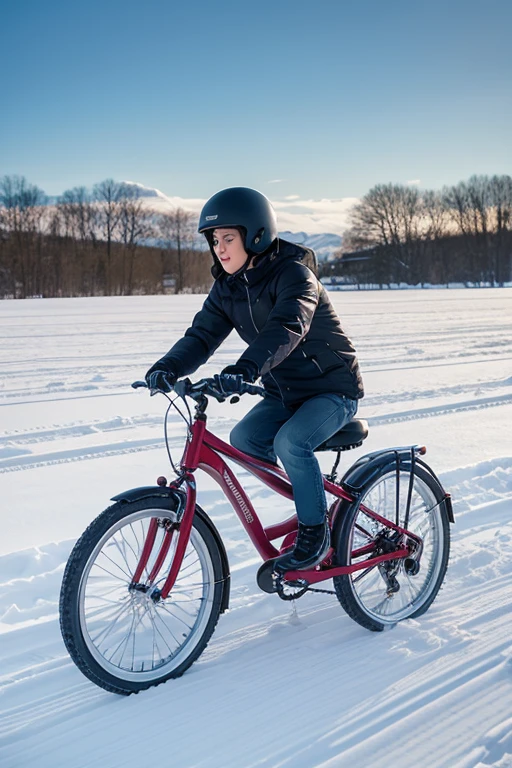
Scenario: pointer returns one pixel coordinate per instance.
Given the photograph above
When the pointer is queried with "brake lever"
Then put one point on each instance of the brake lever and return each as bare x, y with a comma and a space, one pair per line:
183, 387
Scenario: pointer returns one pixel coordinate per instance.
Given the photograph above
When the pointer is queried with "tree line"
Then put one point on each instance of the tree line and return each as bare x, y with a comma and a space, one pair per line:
103, 242
108, 242
401, 235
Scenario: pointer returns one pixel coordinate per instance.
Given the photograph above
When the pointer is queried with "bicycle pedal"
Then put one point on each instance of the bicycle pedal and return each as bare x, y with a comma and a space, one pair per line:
265, 577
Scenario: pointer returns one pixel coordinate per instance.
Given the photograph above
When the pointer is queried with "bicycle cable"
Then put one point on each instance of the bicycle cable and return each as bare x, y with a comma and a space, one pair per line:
188, 422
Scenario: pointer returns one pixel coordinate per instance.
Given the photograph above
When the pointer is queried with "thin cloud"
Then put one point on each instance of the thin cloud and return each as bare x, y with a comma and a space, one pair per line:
276, 181
314, 216
294, 214
413, 183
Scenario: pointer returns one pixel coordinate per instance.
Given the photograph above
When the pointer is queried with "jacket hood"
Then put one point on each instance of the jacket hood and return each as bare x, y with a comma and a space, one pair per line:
280, 249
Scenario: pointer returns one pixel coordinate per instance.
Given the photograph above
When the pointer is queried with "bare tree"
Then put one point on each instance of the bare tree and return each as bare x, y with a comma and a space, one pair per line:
107, 194
457, 200
388, 217
79, 215
435, 215
135, 225
481, 210
436, 222
177, 230
479, 199
23, 219
500, 200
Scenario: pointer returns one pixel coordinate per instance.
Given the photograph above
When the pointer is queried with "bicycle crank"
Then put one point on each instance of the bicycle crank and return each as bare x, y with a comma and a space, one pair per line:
273, 583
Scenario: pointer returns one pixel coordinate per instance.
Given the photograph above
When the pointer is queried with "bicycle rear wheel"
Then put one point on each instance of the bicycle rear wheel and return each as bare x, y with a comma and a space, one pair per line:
121, 635
392, 591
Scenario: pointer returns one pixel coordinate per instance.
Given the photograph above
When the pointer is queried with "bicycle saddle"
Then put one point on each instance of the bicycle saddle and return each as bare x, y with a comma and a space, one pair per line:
349, 436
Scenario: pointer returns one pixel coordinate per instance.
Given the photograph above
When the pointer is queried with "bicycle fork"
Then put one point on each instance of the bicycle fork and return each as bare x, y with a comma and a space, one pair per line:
182, 526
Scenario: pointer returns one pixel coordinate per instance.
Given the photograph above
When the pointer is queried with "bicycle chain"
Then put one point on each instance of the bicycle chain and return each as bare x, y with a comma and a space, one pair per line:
302, 591
324, 591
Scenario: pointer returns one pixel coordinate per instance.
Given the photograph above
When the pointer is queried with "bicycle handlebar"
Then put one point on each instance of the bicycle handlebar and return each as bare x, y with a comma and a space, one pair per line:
203, 387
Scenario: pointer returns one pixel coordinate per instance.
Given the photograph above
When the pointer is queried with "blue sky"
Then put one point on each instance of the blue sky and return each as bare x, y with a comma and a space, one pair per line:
319, 99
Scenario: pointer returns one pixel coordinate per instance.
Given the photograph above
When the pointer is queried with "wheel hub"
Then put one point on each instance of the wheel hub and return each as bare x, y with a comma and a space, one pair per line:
144, 594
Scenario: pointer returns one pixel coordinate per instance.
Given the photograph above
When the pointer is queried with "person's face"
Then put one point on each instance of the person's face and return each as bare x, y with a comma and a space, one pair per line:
229, 249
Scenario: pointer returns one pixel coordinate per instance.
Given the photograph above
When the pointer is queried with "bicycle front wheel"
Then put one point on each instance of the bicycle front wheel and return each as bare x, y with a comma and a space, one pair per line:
394, 590
119, 634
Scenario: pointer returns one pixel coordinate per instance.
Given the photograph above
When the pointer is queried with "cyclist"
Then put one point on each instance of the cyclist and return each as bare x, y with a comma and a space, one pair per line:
265, 290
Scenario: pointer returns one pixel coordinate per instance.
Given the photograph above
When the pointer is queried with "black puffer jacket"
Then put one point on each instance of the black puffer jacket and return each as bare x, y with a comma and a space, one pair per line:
282, 311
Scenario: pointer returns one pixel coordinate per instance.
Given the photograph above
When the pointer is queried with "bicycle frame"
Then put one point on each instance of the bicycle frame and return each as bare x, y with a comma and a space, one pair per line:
204, 451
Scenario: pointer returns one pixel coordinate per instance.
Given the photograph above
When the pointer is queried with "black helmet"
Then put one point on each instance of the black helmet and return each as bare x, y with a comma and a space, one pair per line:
241, 207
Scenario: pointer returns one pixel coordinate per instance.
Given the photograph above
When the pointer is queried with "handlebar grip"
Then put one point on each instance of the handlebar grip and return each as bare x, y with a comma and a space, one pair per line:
139, 385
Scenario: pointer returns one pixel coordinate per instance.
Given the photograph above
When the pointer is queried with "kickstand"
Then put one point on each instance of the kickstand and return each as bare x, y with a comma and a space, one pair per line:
294, 616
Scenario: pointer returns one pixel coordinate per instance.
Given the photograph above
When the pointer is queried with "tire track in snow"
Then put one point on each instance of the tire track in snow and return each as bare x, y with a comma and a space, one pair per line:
80, 454
17, 463
420, 413
80, 428
474, 389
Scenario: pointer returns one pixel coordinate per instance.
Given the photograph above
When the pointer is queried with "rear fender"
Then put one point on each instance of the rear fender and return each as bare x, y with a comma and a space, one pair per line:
180, 497
368, 467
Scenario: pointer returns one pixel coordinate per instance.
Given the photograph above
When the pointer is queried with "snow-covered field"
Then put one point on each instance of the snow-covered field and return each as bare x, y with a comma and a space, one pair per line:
273, 688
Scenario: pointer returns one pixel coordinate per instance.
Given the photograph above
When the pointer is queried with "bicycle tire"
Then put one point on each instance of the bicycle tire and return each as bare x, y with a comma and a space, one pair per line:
364, 594
96, 602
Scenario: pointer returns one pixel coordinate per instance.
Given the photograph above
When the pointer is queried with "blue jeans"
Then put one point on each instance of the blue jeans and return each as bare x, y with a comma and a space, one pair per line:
271, 431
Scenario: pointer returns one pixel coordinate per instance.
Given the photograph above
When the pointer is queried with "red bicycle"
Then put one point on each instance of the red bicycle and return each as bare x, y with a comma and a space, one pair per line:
145, 584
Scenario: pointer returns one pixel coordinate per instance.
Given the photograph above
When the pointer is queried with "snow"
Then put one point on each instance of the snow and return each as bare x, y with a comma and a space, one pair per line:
273, 688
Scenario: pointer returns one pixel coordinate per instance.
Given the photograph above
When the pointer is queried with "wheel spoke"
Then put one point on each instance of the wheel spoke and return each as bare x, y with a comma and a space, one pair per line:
106, 630
125, 641
127, 575
134, 532
362, 574
157, 631
189, 588
129, 546
138, 641
365, 592
169, 630
167, 610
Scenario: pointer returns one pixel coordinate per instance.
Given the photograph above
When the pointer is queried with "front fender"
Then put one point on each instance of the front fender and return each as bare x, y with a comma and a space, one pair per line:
165, 491
134, 494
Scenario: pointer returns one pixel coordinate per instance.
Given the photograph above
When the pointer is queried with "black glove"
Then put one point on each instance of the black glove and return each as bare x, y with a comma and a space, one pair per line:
161, 376
244, 368
227, 384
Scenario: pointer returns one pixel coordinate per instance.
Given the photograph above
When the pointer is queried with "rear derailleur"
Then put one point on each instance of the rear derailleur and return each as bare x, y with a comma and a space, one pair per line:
387, 542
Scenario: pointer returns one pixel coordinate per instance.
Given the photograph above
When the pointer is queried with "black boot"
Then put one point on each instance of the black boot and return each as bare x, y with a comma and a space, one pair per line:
311, 546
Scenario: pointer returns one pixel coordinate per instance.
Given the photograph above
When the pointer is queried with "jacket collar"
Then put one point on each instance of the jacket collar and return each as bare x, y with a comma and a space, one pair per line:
266, 262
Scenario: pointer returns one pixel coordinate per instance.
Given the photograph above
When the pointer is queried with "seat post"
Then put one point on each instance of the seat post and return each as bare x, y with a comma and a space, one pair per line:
332, 476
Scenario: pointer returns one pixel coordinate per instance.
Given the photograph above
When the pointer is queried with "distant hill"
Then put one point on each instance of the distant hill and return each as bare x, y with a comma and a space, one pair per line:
323, 245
